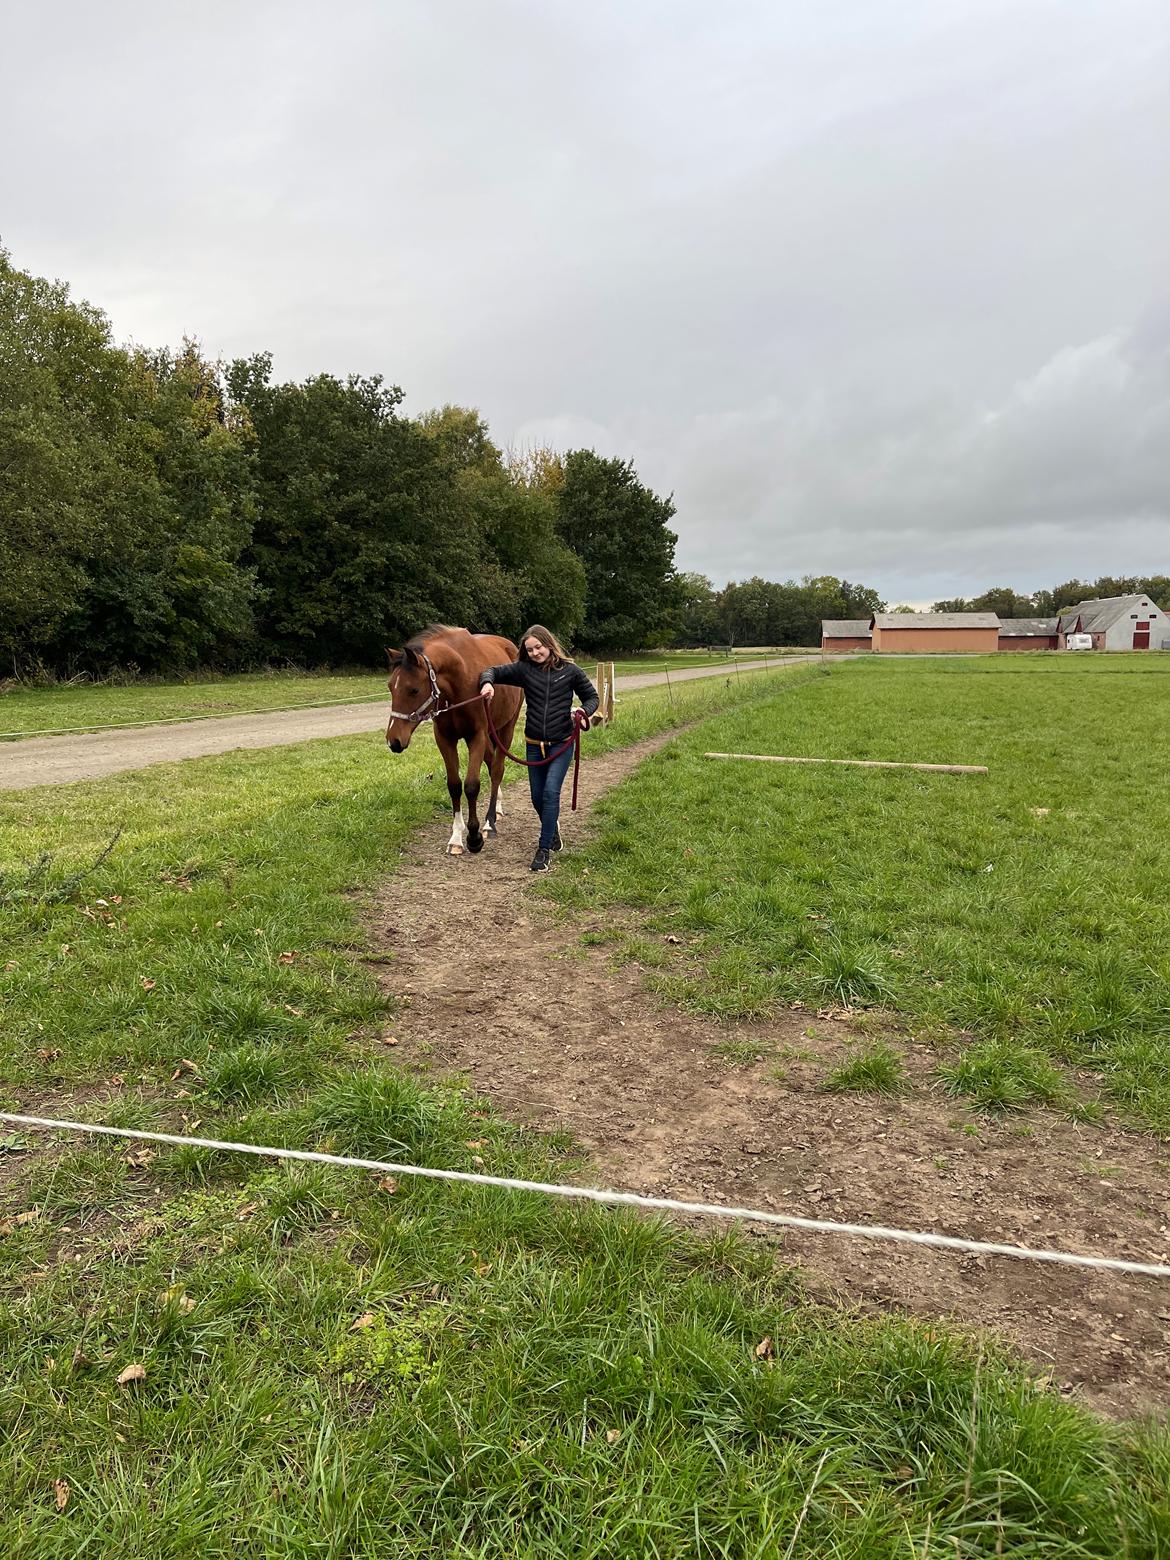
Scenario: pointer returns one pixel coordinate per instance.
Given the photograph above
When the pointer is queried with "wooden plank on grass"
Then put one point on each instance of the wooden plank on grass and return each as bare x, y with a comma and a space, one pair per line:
858, 763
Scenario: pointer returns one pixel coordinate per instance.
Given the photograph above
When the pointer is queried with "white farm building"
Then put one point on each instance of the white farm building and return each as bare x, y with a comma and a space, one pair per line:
1118, 623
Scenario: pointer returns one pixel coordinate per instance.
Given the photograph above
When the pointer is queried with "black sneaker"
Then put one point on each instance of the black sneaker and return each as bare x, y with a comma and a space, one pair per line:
540, 861
558, 843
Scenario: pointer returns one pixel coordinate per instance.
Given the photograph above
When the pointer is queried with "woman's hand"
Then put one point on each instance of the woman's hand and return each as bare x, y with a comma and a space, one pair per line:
487, 693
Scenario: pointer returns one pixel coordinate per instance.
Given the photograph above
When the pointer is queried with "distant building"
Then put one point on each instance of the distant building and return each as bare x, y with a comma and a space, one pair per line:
1118, 623
1029, 633
934, 633
839, 635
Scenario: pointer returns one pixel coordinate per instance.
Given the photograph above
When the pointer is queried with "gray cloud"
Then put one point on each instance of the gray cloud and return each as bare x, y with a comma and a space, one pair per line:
873, 289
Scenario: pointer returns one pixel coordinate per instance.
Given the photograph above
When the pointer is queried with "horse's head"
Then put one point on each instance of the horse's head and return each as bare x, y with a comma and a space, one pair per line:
413, 695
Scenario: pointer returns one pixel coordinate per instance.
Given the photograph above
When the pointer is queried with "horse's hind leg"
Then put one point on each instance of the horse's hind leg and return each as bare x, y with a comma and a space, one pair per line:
495, 807
450, 752
475, 750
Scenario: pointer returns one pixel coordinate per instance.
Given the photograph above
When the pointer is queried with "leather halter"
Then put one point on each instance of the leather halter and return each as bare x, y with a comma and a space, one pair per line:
416, 717
424, 711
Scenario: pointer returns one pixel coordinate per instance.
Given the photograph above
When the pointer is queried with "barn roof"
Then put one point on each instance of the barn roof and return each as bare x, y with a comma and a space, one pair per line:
1100, 614
844, 628
1023, 628
936, 620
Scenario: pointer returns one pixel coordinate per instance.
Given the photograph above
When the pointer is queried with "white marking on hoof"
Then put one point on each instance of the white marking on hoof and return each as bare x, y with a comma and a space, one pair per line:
458, 837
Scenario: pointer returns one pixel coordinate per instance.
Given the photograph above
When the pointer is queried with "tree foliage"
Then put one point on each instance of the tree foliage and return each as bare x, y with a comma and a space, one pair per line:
1046, 603
125, 492
768, 612
619, 530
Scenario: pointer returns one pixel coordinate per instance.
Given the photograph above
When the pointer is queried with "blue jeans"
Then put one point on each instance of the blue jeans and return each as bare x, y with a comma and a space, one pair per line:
545, 785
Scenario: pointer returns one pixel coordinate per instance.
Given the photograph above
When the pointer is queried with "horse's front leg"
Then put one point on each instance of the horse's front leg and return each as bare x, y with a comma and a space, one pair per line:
475, 752
450, 752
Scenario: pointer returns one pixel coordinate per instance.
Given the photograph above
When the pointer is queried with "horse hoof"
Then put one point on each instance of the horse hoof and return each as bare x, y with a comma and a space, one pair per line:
475, 843
454, 850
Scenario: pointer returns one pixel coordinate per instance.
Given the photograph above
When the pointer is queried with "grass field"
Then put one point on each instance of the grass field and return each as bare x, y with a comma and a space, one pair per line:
1024, 911
32, 710
333, 1367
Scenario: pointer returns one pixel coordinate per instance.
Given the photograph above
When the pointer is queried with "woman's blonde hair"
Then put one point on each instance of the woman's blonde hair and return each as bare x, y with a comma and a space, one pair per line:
546, 637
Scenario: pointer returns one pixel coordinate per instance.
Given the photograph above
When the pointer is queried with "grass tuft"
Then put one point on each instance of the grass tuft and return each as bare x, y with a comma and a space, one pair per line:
876, 1070
1001, 1076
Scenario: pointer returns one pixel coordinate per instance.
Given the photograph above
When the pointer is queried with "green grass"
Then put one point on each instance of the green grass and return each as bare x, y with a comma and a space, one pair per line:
527, 1378
875, 1070
1026, 907
27, 710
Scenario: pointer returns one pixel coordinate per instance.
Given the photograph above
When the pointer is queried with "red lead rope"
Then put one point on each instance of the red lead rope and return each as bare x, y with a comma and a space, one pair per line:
580, 722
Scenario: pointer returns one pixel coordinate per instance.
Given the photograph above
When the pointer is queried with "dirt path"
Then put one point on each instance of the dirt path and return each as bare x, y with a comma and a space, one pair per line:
91, 755
559, 1039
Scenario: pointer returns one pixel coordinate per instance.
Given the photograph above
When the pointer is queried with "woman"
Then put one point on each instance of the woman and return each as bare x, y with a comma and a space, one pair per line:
549, 680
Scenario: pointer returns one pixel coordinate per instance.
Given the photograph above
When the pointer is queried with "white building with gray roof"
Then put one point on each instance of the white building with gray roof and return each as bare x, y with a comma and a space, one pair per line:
1119, 623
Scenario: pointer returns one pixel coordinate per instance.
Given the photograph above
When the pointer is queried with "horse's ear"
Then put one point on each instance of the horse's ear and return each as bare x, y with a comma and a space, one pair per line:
409, 657
395, 657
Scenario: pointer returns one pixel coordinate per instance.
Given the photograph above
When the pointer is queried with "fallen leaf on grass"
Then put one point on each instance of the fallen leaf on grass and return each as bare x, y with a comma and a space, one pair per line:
389, 1040
185, 1065
611, 1436
671, 938
476, 1142
175, 1296
131, 1374
246, 1211
387, 1184
287, 958
141, 1157
296, 1012
29, 1216
146, 983
764, 1349
48, 1053
61, 1493
366, 1319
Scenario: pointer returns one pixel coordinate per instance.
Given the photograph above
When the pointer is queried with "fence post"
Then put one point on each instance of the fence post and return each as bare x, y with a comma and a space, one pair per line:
604, 684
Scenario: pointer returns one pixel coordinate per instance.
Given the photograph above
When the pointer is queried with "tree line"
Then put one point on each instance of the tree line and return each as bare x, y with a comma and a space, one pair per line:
767, 612
1047, 603
164, 511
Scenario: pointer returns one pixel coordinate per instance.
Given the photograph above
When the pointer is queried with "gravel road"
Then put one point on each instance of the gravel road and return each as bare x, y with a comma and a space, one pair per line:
92, 755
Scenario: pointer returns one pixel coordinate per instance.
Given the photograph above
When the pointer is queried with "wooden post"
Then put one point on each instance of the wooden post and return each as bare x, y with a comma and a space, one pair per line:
604, 685
859, 763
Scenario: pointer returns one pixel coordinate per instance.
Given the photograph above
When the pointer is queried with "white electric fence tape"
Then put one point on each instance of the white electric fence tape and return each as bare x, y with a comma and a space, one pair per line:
625, 1199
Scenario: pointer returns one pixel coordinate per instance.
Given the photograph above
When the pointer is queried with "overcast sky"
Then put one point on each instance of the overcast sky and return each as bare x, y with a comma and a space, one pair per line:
878, 288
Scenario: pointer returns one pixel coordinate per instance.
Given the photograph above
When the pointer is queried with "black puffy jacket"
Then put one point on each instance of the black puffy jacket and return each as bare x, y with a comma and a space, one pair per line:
548, 695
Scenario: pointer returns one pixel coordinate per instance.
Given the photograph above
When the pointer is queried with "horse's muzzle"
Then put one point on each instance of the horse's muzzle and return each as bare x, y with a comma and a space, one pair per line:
395, 746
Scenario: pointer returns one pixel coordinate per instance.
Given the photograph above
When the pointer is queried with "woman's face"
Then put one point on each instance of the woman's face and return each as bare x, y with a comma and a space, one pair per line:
536, 651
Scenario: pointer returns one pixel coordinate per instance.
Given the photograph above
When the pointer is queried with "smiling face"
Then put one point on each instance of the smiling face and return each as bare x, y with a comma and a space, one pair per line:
536, 651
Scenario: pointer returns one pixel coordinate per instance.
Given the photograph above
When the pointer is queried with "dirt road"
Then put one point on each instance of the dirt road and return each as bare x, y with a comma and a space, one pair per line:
92, 755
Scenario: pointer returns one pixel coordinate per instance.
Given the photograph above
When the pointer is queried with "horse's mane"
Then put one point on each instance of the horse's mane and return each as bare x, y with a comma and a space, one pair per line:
424, 635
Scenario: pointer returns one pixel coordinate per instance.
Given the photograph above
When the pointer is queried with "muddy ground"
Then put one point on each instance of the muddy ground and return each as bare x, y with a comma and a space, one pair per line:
494, 984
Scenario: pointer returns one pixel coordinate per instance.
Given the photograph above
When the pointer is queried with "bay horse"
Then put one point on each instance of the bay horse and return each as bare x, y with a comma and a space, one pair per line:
435, 677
